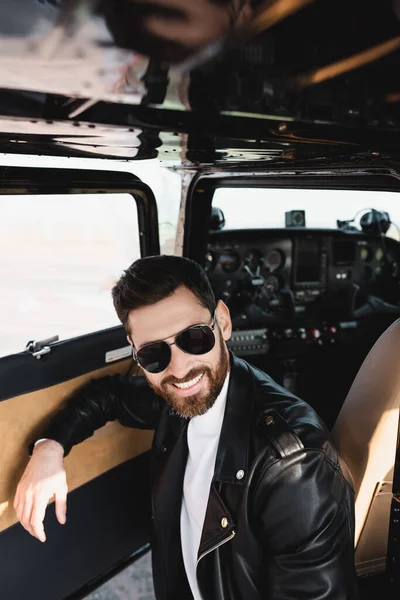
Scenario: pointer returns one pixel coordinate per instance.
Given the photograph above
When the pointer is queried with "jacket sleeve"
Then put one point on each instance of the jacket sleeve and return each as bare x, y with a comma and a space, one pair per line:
306, 518
126, 398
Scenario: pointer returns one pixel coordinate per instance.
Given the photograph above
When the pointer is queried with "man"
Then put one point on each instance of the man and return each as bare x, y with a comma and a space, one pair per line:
249, 499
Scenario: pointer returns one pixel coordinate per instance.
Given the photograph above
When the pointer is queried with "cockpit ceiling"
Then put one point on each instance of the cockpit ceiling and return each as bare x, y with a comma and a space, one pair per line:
291, 79
184, 140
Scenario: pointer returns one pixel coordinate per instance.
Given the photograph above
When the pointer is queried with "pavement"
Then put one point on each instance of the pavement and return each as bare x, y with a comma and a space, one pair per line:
133, 583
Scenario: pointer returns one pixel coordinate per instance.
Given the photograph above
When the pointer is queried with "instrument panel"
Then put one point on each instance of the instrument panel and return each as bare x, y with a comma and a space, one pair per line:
279, 276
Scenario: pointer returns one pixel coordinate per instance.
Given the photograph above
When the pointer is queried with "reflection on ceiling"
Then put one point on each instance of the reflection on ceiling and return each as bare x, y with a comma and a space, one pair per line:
234, 80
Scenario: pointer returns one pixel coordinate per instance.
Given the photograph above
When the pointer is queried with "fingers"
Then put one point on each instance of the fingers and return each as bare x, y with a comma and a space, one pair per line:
26, 511
36, 520
23, 506
44, 478
31, 508
61, 505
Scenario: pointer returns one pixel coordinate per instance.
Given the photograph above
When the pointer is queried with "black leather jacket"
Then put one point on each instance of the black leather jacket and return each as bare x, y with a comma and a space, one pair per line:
284, 531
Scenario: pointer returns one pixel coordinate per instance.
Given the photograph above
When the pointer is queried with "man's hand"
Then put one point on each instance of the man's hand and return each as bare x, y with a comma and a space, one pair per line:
43, 479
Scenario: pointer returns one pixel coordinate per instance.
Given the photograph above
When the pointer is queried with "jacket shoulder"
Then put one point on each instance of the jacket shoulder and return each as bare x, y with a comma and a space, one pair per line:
289, 423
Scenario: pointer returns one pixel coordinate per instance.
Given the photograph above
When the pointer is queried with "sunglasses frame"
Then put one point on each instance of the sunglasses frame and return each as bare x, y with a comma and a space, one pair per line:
212, 327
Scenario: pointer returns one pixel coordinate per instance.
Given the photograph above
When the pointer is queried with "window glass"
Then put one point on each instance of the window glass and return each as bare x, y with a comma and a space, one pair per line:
166, 185
266, 207
164, 181
59, 257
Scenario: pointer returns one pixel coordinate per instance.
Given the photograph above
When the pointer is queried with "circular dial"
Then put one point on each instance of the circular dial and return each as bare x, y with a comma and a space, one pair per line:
379, 254
229, 261
274, 259
272, 285
209, 262
253, 260
366, 253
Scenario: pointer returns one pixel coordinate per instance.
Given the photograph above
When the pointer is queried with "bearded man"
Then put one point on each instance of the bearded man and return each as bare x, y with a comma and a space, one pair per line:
250, 500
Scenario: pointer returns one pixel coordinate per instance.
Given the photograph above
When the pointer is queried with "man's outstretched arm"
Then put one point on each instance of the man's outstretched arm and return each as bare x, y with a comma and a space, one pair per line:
128, 399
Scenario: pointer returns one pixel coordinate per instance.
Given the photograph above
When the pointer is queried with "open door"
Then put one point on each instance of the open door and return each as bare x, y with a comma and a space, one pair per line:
65, 237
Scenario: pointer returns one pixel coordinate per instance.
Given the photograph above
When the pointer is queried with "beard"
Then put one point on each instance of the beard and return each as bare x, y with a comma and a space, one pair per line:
199, 403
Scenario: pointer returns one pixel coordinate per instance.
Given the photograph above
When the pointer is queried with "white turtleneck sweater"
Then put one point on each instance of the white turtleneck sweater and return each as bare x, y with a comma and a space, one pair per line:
203, 437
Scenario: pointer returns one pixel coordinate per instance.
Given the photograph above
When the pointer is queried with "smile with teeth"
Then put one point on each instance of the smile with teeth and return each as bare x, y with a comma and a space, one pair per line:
188, 384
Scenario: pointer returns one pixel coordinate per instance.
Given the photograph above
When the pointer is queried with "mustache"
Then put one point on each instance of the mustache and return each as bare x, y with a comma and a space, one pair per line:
193, 373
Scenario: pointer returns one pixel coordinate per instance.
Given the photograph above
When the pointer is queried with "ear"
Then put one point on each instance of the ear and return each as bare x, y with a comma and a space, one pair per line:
130, 340
224, 320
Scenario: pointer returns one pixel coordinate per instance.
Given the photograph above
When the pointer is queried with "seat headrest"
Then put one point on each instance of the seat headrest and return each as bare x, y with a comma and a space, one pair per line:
365, 431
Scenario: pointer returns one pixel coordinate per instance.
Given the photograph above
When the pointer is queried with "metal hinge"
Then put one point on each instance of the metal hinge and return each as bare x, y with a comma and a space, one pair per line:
38, 349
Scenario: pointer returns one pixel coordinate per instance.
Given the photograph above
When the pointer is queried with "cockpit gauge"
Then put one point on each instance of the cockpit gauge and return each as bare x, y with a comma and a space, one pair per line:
366, 253
379, 254
274, 260
272, 285
229, 261
253, 260
209, 262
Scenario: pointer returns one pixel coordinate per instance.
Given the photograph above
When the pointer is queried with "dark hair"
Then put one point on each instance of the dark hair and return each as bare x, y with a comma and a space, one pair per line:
153, 278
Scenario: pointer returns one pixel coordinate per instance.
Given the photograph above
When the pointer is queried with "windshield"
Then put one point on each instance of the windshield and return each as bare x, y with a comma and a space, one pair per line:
263, 208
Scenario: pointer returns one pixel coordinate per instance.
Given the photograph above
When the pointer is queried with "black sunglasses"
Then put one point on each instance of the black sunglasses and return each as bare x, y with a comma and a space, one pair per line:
156, 356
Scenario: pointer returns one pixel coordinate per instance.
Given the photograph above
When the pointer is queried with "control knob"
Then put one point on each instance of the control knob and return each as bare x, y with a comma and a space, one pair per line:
315, 334
302, 333
332, 334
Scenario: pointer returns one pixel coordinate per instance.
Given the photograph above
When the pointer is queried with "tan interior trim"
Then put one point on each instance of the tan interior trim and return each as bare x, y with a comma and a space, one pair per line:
21, 420
365, 431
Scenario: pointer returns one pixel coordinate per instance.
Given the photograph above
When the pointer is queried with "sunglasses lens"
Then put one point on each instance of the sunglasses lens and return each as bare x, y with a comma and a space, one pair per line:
196, 340
154, 357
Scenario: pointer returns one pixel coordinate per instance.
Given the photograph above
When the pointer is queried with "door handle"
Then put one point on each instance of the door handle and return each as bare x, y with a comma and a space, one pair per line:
41, 347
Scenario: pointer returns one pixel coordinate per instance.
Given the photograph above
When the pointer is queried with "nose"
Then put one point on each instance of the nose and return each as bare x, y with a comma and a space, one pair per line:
180, 364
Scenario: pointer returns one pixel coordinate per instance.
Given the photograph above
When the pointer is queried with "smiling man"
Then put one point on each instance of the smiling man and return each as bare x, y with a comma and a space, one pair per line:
250, 500
190, 384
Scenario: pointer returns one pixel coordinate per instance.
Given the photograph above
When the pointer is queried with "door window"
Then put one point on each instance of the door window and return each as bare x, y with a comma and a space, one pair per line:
59, 258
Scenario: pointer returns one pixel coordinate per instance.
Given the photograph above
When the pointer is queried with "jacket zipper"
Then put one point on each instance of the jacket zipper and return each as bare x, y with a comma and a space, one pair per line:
232, 535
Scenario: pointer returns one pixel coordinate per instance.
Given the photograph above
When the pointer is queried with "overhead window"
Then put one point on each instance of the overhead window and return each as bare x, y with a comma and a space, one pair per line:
59, 258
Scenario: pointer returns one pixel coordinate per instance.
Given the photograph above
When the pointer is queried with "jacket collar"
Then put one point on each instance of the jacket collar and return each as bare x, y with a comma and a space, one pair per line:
233, 449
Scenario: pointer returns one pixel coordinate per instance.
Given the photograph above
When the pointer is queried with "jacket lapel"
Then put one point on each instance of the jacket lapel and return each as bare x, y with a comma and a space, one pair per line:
232, 460
233, 449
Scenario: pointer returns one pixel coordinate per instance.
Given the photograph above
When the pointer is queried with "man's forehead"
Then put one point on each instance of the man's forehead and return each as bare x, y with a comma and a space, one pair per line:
166, 318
